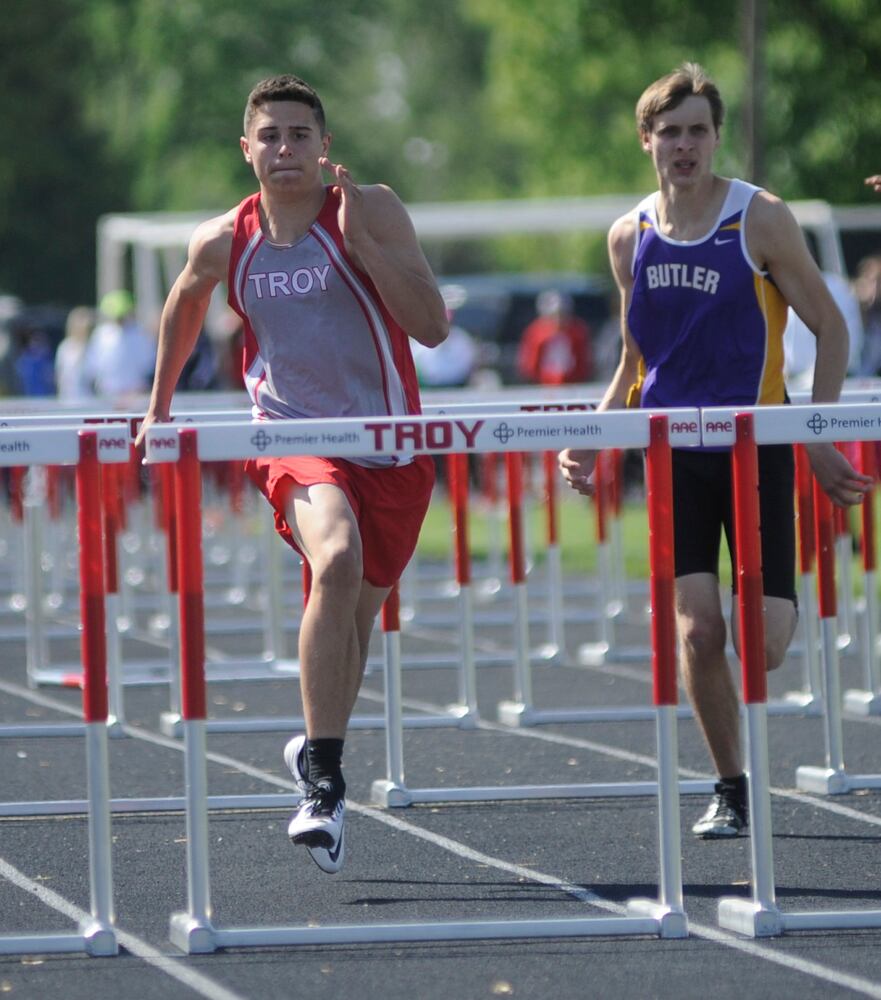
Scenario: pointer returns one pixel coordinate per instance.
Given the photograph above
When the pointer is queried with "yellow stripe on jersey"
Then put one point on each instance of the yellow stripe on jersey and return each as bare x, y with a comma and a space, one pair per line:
772, 390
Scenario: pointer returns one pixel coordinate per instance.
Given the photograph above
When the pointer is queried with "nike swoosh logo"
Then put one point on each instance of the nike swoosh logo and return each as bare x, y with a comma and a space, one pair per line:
721, 243
335, 855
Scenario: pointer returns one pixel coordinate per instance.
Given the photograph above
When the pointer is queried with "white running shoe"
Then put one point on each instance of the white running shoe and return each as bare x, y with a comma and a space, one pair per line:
295, 758
318, 825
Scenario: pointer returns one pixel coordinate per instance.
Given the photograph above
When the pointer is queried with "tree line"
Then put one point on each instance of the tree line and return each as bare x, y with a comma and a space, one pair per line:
135, 105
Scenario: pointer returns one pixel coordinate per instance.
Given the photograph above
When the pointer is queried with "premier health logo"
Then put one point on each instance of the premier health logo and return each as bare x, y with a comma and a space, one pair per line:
261, 440
504, 432
818, 423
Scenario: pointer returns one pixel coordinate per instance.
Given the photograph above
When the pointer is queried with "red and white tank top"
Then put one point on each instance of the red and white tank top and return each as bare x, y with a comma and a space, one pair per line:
318, 340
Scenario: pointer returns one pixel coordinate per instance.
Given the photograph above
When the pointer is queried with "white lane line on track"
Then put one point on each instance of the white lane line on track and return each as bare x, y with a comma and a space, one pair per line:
808, 967
746, 946
171, 966
616, 753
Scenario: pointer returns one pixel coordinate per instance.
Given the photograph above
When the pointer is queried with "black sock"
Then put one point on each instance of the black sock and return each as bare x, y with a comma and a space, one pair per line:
737, 784
324, 763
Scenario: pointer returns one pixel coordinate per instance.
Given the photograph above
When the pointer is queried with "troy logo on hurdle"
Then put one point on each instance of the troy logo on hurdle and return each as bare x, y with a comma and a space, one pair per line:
440, 434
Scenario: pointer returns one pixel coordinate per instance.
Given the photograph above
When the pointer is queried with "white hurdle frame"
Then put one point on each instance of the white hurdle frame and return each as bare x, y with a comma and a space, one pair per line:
867, 700
193, 930
760, 916
97, 934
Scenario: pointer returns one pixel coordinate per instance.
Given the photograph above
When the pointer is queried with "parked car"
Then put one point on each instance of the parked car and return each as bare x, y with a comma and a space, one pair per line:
496, 308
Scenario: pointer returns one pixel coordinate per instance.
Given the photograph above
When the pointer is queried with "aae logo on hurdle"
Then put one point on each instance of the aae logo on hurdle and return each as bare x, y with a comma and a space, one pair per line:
796, 424
113, 443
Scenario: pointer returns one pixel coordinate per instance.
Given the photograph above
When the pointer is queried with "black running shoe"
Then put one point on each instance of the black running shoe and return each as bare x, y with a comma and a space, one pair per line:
726, 816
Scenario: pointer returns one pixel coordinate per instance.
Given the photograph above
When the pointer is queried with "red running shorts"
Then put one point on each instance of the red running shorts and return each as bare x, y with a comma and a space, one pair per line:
389, 504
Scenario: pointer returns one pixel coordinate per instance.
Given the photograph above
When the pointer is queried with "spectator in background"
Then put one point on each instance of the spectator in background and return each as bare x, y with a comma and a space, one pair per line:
200, 372
71, 382
10, 308
874, 182
800, 344
35, 364
121, 356
867, 286
555, 348
450, 364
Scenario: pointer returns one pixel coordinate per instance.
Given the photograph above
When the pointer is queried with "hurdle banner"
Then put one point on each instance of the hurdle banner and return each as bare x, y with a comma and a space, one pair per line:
760, 916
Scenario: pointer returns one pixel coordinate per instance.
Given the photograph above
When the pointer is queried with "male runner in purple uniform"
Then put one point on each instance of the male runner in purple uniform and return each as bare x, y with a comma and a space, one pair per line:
706, 267
330, 282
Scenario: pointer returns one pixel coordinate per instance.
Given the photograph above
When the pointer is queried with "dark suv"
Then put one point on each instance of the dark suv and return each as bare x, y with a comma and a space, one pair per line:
496, 308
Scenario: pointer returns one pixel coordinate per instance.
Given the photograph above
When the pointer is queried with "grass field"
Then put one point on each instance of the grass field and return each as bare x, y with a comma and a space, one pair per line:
577, 535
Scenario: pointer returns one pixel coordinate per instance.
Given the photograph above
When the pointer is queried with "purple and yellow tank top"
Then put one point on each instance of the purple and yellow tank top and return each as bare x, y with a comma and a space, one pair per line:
708, 321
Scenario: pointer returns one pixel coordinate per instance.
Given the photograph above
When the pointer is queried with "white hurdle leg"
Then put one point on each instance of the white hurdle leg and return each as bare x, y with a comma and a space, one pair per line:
868, 700
392, 790
518, 711
758, 916
833, 778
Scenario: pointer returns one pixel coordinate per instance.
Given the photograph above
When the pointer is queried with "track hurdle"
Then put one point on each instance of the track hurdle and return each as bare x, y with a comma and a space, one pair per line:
96, 936
810, 695
394, 792
867, 701
760, 916
193, 930
832, 779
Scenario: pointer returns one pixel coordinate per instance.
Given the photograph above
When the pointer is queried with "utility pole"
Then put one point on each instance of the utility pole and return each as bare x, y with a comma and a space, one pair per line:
753, 29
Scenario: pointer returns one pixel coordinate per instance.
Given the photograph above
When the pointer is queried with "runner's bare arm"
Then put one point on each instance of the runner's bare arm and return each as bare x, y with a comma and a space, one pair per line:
775, 242
380, 236
577, 465
184, 312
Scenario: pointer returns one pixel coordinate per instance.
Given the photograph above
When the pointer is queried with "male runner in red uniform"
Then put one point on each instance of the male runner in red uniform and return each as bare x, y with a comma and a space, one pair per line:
330, 282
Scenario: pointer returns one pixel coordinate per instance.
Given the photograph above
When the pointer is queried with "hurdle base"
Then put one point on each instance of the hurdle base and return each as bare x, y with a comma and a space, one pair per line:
550, 652
844, 642
672, 923
598, 654
801, 701
171, 724
463, 715
287, 666
390, 795
515, 713
191, 935
593, 654
822, 780
747, 917
99, 938
862, 703
115, 727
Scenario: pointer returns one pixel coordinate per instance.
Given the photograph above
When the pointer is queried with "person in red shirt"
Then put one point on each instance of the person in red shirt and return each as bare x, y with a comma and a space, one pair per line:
555, 347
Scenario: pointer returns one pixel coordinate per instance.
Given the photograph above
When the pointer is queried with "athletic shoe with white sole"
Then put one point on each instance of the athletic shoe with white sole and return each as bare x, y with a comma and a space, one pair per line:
318, 825
726, 816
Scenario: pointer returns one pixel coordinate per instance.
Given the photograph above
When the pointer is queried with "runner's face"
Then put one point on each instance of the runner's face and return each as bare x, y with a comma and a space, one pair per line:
682, 142
283, 145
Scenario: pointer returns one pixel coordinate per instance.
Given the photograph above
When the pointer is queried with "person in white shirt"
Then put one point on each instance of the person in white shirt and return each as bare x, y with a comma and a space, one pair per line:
121, 356
800, 344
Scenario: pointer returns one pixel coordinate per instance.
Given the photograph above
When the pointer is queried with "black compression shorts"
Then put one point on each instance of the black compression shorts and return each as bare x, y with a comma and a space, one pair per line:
702, 507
